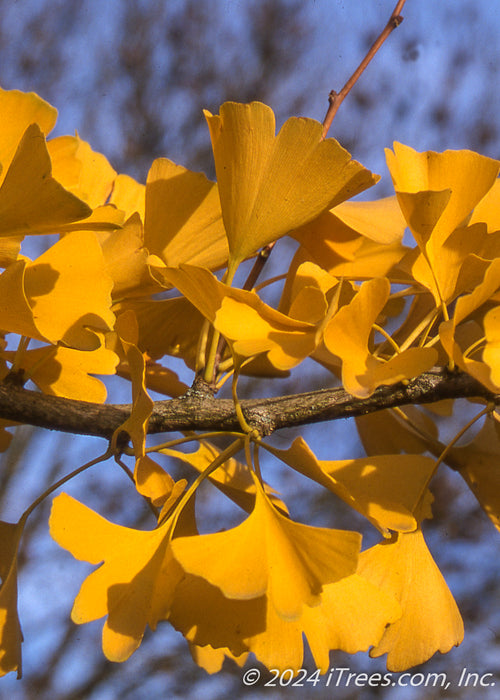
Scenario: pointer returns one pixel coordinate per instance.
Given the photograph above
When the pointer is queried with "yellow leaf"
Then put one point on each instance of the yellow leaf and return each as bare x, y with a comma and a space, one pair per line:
271, 184
183, 219
11, 636
69, 291
126, 260
129, 196
142, 405
479, 464
430, 619
82, 171
212, 659
487, 210
253, 327
135, 584
157, 378
31, 200
166, 327
347, 336
18, 110
491, 352
346, 254
233, 478
386, 432
16, 315
152, 481
386, 489
351, 616
244, 319
467, 176
268, 553
9, 249
66, 372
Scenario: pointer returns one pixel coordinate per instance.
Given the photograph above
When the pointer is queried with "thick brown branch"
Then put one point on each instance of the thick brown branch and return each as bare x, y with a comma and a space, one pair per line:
198, 411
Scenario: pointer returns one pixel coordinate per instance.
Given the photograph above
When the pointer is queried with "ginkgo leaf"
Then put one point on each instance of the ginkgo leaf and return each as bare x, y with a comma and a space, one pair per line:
467, 176
152, 481
61, 371
255, 328
430, 618
386, 489
82, 171
479, 464
387, 432
491, 352
347, 336
350, 255
343, 230
31, 200
166, 327
142, 404
380, 220
351, 616
268, 553
135, 584
129, 196
10, 247
243, 318
157, 378
211, 659
183, 219
16, 314
483, 370
11, 636
295, 175
127, 260
19, 110
62, 296
487, 210
233, 478
69, 291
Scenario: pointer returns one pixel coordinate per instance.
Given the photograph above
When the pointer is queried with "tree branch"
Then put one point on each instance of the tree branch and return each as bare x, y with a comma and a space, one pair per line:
198, 410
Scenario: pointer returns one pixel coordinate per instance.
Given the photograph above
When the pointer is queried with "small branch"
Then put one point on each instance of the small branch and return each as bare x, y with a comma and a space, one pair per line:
336, 98
200, 411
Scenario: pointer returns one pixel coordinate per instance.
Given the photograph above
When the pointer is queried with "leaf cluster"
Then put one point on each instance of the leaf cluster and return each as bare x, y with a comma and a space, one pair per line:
138, 274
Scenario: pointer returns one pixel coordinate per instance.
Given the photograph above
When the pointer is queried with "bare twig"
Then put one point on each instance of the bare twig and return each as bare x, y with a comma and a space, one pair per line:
336, 98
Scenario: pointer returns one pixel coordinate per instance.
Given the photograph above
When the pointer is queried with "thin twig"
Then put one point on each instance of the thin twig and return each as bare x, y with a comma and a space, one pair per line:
336, 98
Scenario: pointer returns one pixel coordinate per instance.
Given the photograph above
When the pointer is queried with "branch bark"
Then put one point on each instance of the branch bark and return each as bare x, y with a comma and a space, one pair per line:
197, 410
